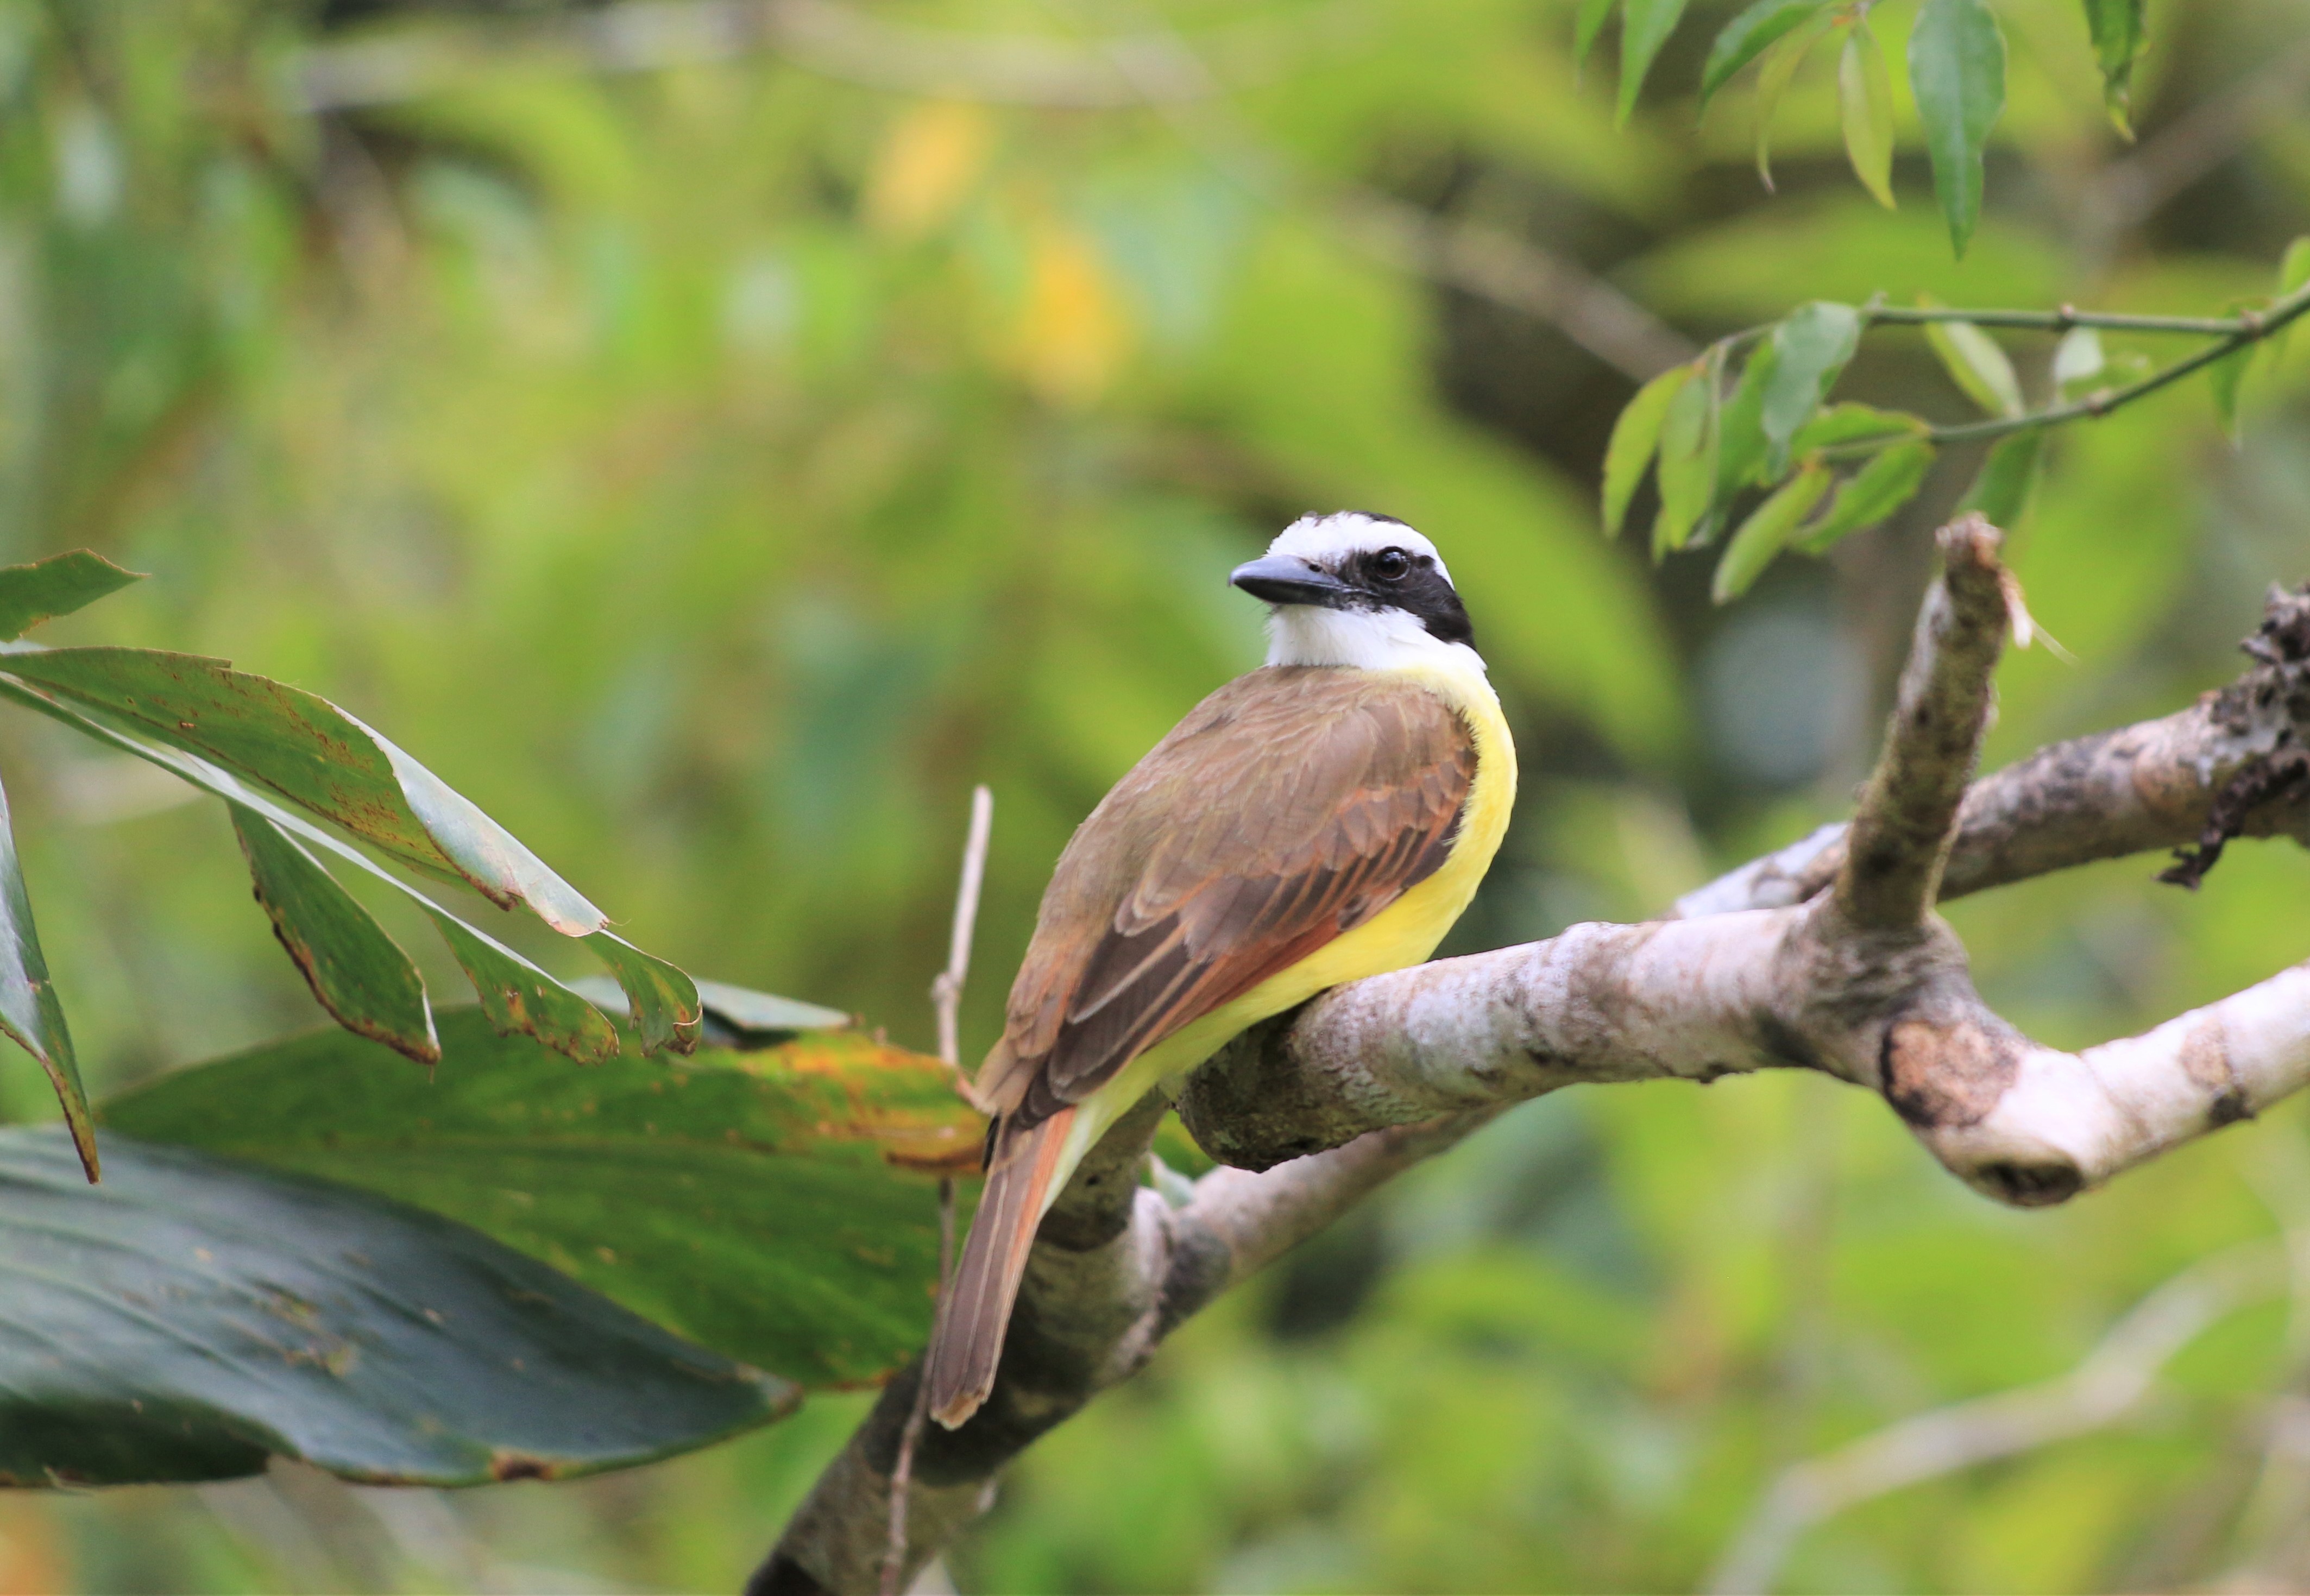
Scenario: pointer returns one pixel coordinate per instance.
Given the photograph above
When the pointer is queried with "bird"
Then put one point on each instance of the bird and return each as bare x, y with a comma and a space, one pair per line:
1322, 817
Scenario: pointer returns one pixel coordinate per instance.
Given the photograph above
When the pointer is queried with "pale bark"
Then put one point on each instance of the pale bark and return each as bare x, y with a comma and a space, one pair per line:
1826, 957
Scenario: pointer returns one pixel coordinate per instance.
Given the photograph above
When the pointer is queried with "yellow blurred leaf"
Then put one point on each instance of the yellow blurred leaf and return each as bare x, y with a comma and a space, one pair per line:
932, 157
1074, 330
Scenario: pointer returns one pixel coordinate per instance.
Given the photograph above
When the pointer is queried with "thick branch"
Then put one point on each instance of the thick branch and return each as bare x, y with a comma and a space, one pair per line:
1902, 833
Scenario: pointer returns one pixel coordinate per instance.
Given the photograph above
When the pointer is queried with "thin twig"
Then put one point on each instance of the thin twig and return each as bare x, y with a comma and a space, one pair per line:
946, 998
2113, 1381
2057, 321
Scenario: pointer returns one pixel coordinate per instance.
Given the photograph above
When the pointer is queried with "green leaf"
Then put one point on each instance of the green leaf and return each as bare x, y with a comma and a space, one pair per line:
1741, 427
30, 1012
735, 1015
192, 1316
1977, 363
1766, 533
1887, 482
2079, 363
1848, 422
1748, 36
517, 996
1957, 75
1585, 28
312, 754
358, 973
1780, 66
1644, 27
1864, 95
1688, 458
1634, 437
542, 1019
664, 1000
2001, 490
779, 1206
2294, 268
2116, 26
1811, 345
57, 586
2225, 377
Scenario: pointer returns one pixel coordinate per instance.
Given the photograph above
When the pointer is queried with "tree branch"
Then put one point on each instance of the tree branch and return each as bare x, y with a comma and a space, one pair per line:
1317, 1108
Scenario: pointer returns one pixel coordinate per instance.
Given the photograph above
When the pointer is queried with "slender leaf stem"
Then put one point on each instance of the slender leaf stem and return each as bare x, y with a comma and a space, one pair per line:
2058, 321
2237, 333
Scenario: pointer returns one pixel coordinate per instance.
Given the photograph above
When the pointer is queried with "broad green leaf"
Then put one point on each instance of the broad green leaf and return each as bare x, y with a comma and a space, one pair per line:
1766, 533
1586, 26
356, 971
577, 1036
1644, 27
30, 1012
2293, 267
2000, 491
1810, 347
57, 586
312, 754
1849, 423
1977, 364
1890, 480
1780, 66
1688, 459
1864, 96
2116, 26
1634, 437
192, 1316
1957, 75
2079, 363
1748, 36
2225, 377
779, 1206
517, 996
664, 1000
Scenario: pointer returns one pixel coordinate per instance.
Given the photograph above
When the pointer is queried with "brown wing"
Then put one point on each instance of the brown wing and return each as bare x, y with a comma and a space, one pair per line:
1292, 805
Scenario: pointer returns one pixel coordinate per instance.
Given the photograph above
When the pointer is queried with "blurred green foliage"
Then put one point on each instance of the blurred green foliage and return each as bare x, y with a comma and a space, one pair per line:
713, 470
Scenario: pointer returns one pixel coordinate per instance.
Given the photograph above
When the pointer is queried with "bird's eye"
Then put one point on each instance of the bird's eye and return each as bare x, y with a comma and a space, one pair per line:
1391, 565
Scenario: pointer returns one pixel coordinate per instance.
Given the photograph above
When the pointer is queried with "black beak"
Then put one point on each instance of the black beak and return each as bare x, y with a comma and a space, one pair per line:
1280, 579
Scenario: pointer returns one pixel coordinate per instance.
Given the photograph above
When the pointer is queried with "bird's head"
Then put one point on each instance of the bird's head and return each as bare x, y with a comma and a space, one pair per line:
1355, 589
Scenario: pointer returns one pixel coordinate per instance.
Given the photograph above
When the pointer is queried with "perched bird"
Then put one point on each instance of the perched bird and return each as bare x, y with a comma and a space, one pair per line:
1325, 818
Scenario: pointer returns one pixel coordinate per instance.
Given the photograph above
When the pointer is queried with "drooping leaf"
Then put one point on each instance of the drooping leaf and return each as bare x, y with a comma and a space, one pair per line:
735, 1015
1644, 27
1773, 78
1688, 459
558, 1025
357, 972
519, 998
1766, 532
2117, 27
57, 586
1740, 425
192, 1316
2001, 490
1977, 364
1748, 36
1957, 75
1811, 345
1864, 96
30, 1012
1848, 422
1585, 28
307, 750
2226, 379
1634, 437
1887, 482
663, 999
779, 1206
2078, 363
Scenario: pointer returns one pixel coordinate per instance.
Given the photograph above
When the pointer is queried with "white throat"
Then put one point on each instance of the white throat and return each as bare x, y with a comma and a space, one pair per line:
1362, 639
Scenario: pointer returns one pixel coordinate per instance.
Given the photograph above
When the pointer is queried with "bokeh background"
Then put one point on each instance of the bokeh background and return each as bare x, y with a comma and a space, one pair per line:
713, 436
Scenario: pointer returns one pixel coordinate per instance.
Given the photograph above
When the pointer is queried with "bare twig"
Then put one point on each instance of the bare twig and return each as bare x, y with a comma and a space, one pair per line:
946, 997
2112, 1382
1901, 834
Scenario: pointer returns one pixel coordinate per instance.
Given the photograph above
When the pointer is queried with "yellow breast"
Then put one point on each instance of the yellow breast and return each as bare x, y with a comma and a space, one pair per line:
1403, 934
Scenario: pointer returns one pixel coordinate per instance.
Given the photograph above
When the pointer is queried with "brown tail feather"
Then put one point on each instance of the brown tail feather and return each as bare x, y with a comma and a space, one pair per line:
968, 1343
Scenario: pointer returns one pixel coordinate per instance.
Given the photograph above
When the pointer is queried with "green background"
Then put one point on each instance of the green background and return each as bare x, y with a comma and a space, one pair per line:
714, 470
